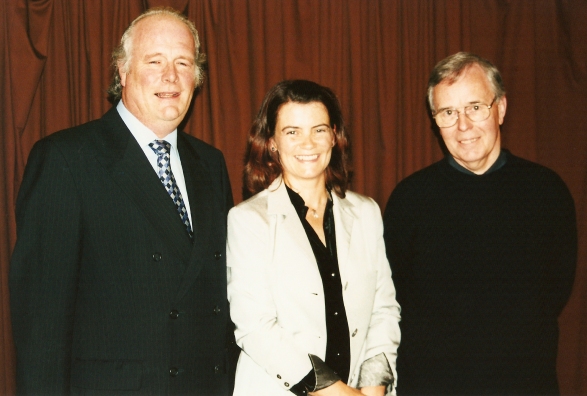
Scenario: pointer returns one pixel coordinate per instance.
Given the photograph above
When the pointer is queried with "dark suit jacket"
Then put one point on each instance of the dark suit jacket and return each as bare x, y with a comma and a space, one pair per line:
108, 293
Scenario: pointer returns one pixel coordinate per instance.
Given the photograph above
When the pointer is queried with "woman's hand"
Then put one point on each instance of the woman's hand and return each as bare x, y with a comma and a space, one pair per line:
339, 388
373, 390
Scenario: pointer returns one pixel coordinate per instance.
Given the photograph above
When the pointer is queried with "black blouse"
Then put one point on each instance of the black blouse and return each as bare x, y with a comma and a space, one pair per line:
338, 354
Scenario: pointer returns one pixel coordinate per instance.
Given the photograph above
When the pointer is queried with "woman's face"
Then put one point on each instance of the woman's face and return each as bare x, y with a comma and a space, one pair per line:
304, 141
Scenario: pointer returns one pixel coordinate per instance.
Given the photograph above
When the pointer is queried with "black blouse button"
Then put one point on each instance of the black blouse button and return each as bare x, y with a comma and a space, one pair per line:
174, 314
173, 371
157, 256
217, 255
216, 310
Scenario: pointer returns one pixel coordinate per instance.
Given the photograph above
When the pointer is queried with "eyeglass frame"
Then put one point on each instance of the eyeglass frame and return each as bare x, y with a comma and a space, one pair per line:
489, 106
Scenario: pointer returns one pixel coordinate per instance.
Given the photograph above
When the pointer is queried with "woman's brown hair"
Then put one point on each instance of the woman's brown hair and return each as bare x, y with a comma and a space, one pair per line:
262, 165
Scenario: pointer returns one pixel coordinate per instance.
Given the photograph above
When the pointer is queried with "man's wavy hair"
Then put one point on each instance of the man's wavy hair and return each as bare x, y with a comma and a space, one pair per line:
262, 165
451, 67
121, 56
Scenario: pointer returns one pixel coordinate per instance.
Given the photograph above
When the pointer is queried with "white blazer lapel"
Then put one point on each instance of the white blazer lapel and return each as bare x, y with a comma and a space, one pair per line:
280, 208
344, 218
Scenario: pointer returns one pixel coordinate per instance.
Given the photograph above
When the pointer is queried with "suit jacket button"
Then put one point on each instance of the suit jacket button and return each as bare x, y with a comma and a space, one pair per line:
173, 371
157, 256
217, 255
216, 310
216, 369
174, 314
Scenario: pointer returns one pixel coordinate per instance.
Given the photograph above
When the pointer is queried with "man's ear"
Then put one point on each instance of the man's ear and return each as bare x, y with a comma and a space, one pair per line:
122, 73
501, 108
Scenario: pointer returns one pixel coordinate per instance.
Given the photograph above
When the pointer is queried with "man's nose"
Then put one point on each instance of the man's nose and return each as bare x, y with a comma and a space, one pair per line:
170, 73
463, 122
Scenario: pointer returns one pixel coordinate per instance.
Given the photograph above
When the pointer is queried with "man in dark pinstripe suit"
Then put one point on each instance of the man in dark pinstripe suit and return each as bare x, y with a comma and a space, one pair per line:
118, 282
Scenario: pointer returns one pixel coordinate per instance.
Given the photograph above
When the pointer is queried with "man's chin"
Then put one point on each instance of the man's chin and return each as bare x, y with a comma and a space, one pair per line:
171, 115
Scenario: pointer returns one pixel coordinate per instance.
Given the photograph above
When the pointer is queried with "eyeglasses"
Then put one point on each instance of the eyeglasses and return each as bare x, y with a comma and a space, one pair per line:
476, 112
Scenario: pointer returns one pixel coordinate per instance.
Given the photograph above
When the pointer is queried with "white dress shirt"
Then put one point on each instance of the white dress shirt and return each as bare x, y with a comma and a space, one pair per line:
144, 136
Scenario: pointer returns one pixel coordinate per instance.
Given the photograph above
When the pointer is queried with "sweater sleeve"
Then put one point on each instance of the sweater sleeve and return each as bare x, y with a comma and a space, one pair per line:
561, 251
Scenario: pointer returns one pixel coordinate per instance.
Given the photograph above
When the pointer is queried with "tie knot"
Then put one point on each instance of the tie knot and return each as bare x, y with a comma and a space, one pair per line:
160, 147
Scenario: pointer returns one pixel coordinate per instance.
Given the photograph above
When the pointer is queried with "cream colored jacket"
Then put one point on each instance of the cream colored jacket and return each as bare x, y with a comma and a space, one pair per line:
276, 296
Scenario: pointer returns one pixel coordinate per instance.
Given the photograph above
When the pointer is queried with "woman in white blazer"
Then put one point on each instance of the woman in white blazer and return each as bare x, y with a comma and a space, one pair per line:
309, 284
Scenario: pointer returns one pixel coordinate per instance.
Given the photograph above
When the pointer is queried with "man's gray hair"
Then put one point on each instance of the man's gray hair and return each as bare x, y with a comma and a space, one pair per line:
121, 55
451, 67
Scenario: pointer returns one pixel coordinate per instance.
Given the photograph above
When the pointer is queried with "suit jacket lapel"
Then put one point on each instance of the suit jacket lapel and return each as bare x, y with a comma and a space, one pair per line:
120, 153
202, 207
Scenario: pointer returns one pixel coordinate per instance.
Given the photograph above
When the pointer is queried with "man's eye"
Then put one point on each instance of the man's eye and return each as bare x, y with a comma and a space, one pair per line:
475, 108
448, 112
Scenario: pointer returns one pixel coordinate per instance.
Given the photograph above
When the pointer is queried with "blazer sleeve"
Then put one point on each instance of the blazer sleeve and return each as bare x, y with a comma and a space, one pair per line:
252, 307
384, 332
44, 271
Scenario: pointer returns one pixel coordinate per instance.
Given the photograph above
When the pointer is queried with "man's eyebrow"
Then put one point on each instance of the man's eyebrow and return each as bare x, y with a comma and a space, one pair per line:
147, 56
154, 55
473, 102
190, 59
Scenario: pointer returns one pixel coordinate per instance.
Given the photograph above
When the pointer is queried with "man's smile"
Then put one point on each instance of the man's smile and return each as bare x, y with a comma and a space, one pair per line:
167, 95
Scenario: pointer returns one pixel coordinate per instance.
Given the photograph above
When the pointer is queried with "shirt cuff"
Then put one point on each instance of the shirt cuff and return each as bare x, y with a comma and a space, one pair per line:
375, 371
321, 376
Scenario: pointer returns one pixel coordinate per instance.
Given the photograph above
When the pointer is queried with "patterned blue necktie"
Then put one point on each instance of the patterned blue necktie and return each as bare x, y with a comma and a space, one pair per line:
162, 149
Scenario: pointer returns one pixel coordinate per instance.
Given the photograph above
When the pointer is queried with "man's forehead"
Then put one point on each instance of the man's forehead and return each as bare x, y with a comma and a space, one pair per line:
472, 73
158, 25
468, 83
148, 38
158, 19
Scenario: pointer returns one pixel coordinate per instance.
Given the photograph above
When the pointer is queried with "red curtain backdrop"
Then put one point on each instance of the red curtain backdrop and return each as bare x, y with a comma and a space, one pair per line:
375, 54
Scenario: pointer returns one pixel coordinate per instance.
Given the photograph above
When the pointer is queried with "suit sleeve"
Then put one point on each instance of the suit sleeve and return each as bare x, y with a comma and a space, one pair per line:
232, 349
228, 200
44, 272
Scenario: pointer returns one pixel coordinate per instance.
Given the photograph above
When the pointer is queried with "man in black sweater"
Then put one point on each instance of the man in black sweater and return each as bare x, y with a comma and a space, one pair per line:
482, 246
